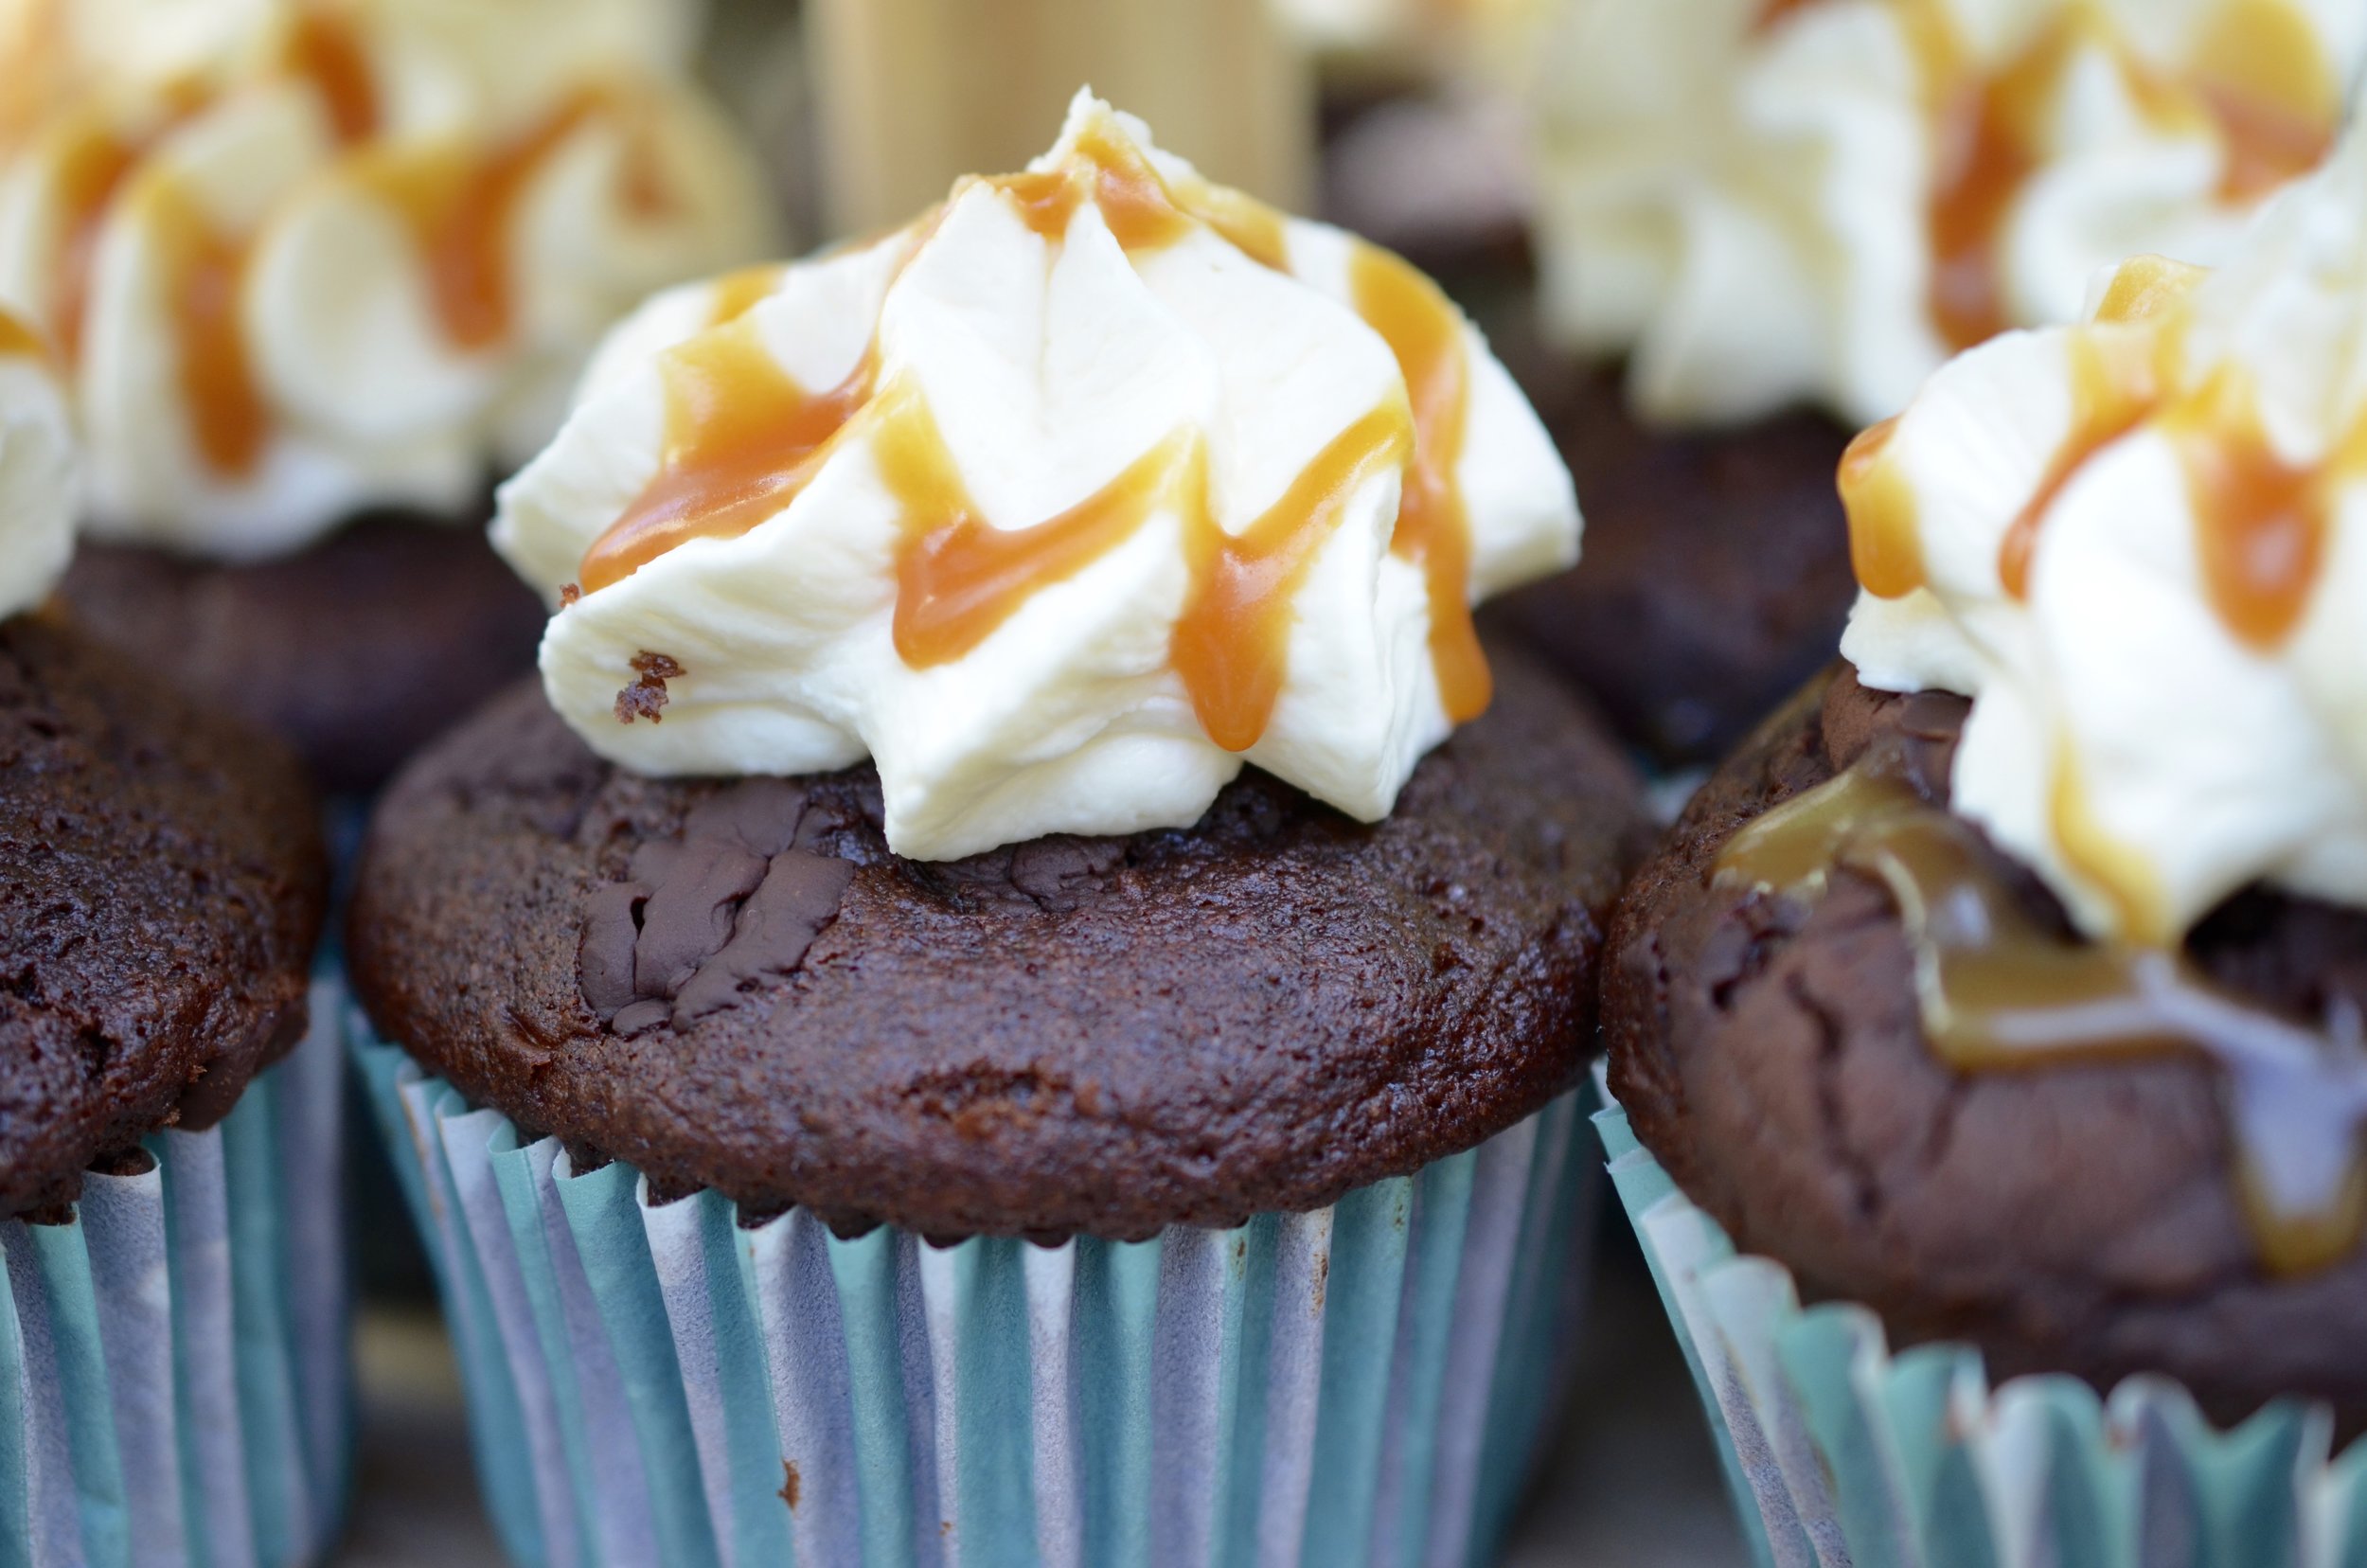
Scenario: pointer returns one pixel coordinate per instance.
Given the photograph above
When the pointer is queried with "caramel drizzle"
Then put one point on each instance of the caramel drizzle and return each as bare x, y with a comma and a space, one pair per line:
742, 440
736, 293
18, 340
2000, 991
462, 204
207, 271
2260, 84
2261, 520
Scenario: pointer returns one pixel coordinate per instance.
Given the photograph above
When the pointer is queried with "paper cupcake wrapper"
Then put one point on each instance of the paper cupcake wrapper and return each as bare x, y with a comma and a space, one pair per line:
174, 1384
1838, 1452
659, 1384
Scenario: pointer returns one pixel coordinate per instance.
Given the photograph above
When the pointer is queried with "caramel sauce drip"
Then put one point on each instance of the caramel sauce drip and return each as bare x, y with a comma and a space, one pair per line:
2260, 522
1434, 531
958, 577
1886, 548
2113, 390
1987, 153
2266, 80
1997, 990
2122, 366
1771, 13
92, 168
324, 50
2260, 84
742, 439
18, 340
207, 272
736, 293
1232, 643
461, 204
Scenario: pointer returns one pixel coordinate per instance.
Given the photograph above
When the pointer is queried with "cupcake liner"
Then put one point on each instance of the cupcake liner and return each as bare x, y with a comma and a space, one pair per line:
659, 1384
173, 1371
1839, 1452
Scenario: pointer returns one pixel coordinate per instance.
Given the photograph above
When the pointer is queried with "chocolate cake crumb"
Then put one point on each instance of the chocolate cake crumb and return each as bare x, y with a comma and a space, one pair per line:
646, 697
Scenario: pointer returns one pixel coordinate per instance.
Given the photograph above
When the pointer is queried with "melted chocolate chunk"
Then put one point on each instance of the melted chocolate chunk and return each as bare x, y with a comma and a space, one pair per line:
735, 899
646, 698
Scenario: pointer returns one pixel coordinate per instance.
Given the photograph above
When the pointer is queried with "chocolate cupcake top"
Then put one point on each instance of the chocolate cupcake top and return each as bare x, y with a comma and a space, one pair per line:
1765, 201
1119, 482
306, 257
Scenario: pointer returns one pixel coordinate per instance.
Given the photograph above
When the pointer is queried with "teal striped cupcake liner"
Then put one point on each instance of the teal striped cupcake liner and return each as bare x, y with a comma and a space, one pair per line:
658, 1384
1838, 1453
174, 1384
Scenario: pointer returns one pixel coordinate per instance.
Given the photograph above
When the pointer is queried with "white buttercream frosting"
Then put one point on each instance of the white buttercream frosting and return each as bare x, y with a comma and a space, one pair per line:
36, 472
307, 257
1042, 352
1764, 201
2140, 544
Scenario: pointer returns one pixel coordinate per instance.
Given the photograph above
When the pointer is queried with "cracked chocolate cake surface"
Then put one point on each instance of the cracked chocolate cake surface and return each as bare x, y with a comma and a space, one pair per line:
736, 985
163, 882
2067, 1217
358, 650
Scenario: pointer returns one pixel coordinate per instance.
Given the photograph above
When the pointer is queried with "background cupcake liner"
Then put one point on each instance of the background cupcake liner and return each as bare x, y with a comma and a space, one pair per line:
658, 1384
174, 1383
1840, 1453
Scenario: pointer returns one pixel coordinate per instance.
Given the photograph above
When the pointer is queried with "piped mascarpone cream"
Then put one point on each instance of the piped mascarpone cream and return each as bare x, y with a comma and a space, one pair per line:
36, 470
1060, 503
2140, 544
1763, 202
305, 257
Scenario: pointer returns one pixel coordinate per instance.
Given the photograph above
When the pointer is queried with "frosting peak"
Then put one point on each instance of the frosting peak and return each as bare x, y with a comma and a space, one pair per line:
1060, 504
36, 470
303, 257
1770, 201
2140, 544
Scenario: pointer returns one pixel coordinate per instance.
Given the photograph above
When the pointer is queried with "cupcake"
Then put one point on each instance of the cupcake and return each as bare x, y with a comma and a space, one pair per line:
1761, 224
318, 271
172, 1317
1049, 1136
2007, 986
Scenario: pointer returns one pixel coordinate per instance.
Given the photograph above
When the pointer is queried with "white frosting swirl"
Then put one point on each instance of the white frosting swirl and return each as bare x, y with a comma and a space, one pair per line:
2141, 546
306, 257
1106, 338
1763, 202
36, 472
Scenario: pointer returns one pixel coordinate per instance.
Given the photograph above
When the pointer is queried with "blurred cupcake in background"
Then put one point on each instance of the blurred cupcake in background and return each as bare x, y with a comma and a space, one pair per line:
1019, 981
172, 1283
319, 271
2007, 989
1765, 221
1423, 147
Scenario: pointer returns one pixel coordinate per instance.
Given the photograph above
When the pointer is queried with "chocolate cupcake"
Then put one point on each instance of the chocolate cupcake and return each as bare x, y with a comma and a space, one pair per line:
1761, 224
1048, 1136
320, 269
2028, 1019
171, 1327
